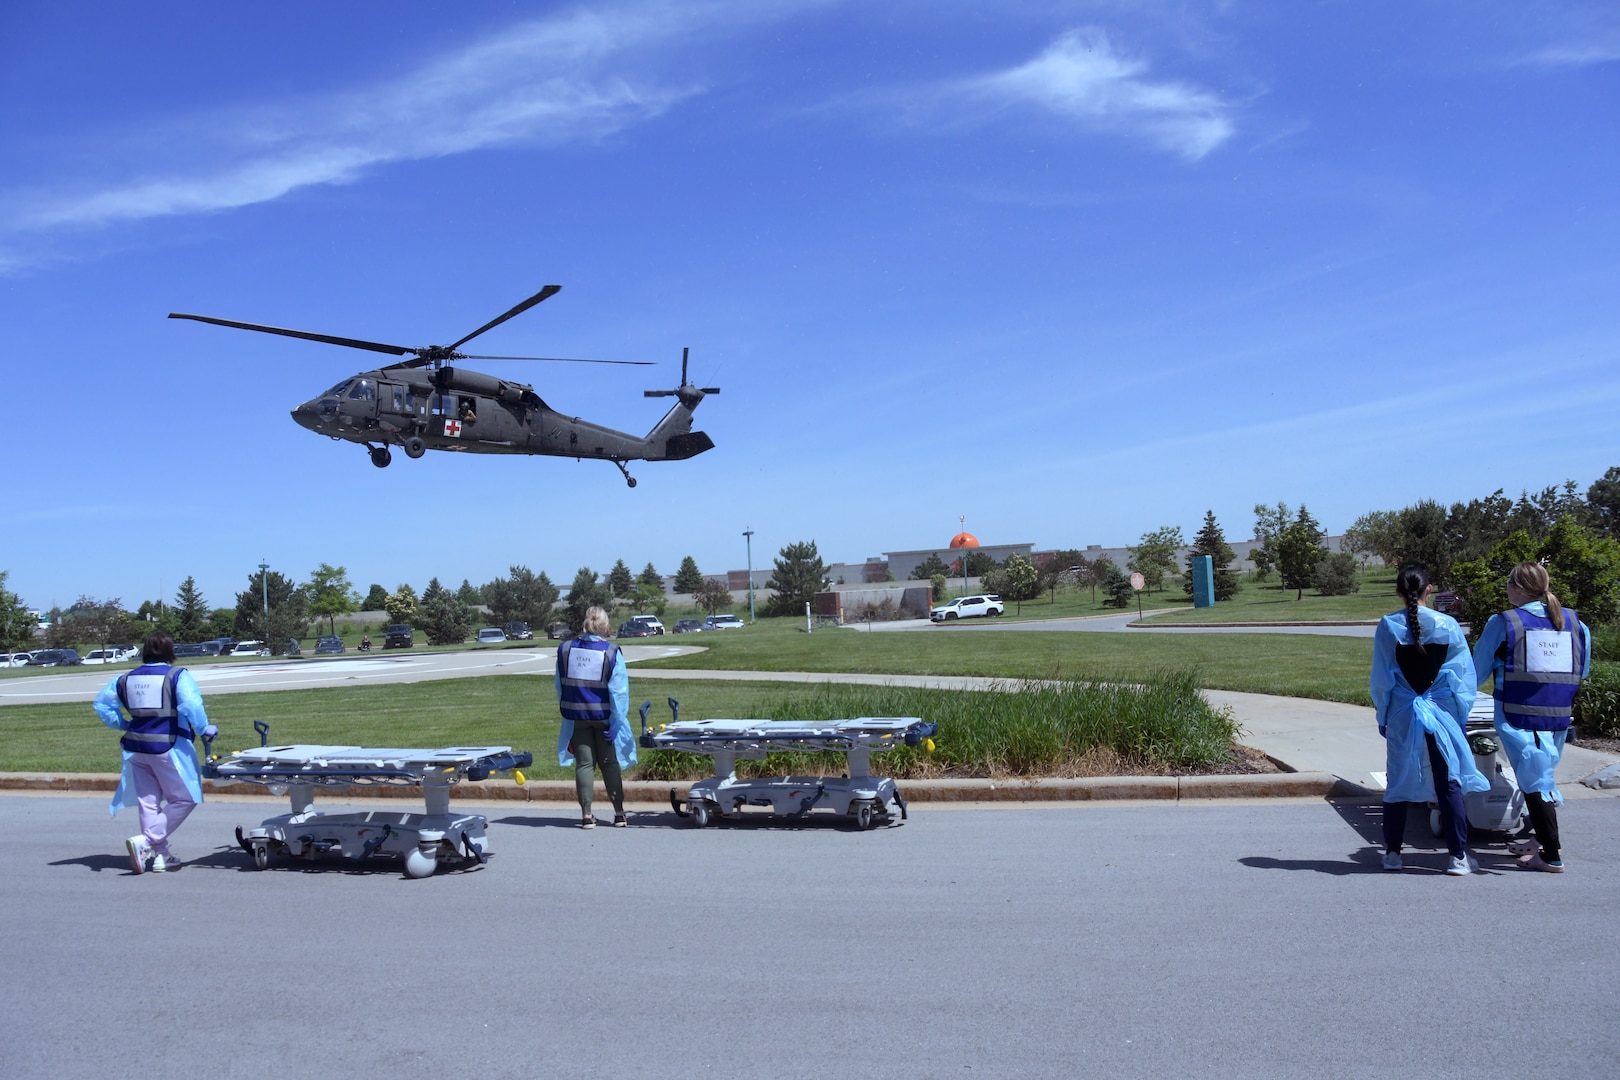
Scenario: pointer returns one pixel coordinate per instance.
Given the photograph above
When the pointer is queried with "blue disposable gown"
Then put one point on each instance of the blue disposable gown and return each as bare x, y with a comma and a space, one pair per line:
623, 739
1533, 754
193, 719
1405, 716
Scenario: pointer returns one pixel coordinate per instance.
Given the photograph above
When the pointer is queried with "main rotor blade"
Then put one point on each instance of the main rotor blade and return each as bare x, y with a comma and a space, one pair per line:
562, 360
353, 343
549, 290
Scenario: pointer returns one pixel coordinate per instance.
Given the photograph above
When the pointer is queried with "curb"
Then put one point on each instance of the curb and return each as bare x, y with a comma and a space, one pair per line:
1046, 789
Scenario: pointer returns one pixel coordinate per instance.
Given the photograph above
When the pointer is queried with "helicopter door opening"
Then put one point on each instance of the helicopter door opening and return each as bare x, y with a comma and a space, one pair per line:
361, 402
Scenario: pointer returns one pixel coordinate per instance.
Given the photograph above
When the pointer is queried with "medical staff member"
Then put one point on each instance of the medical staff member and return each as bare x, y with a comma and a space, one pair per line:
1538, 653
1423, 686
593, 694
165, 713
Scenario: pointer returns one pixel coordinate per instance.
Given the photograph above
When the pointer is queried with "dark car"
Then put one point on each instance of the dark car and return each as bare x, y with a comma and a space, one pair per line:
190, 650
518, 631
559, 631
1449, 602
328, 645
635, 629
399, 637
688, 626
55, 658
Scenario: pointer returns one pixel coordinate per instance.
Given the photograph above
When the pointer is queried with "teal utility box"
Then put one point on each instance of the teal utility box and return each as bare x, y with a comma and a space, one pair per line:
1203, 577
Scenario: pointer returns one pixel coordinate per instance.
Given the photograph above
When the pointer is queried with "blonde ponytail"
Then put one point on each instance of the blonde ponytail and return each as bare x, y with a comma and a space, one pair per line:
1532, 578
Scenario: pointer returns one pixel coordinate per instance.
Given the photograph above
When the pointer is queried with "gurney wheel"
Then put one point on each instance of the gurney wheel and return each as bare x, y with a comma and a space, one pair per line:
863, 816
261, 855
700, 813
420, 864
1434, 822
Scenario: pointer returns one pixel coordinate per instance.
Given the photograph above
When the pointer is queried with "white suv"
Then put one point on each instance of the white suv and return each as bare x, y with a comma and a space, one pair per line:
967, 607
651, 622
723, 622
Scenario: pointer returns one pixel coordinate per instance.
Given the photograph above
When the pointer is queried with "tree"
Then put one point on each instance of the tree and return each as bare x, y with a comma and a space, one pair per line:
1421, 540
1373, 533
524, 596
221, 623
688, 579
713, 596
289, 610
645, 596
650, 576
1018, 580
1211, 541
1058, 567
936, 586
189, 619
97, 622
799, 575
1299, 549
470, 594
376, 599
1269, 523
442, 615
330, 594
585, 593
401, 604
1603, 504
1155, 555
1335, 575
16, 623
1116, 586
1474, 527
979, 563
1584, 568
619, 580
930, 566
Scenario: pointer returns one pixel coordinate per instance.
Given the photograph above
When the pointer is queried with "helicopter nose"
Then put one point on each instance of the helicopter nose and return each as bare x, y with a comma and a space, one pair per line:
306, 416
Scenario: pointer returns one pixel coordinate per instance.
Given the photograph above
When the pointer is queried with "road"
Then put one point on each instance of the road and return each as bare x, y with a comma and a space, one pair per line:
1150, 940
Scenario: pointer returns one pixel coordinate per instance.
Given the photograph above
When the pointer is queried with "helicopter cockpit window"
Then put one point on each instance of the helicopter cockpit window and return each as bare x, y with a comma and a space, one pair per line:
338, 390
363, 390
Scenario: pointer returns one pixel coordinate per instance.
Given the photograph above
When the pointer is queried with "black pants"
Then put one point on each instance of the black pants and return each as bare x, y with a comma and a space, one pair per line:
1453, 814
1544, 820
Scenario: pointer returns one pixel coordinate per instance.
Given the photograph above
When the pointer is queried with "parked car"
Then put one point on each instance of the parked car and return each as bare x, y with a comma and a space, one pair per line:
399, 636
723, 622
16, 659
688, 626
191, 649
518, 631
220, 646
55, 658
106, 656
249, 648
967, 607
491, 635
1449, 602
329, 645
652, 622
559, 631
632, 628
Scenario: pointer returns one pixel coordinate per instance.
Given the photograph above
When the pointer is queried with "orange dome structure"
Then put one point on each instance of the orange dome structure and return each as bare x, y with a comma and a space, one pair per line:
964, 540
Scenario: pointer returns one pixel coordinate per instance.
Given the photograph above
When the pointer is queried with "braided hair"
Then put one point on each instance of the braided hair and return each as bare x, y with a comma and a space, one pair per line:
1533, 578
1411, 583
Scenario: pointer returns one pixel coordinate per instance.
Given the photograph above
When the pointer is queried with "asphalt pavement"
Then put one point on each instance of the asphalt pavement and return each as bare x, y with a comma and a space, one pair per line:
1124, 940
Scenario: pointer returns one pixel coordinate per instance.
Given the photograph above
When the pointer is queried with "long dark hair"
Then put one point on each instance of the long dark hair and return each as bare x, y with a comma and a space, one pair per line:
158, 648
1411, 583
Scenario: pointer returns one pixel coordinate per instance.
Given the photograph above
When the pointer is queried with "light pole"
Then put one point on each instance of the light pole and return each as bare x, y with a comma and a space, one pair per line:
264, 587
748, 535
961, 519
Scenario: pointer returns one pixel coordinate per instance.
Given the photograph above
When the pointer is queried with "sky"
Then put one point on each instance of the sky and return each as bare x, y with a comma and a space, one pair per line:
1065, 271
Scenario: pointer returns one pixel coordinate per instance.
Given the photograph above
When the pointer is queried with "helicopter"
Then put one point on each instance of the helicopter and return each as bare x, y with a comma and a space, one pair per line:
423, 404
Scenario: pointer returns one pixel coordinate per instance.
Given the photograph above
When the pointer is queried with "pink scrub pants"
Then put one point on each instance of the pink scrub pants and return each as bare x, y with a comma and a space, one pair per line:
161, 797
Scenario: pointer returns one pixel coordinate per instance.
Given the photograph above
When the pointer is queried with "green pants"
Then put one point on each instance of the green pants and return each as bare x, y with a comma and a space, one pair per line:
590, 747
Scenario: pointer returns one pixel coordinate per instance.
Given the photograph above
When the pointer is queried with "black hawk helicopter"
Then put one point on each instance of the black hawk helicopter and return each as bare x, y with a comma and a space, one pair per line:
423, 404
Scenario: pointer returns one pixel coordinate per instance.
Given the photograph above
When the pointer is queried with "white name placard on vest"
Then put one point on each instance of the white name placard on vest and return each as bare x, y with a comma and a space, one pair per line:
1549, 652
144, 691
585, 665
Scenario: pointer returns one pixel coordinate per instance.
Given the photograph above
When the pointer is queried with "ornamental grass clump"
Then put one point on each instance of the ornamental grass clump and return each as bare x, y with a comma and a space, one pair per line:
1051, 728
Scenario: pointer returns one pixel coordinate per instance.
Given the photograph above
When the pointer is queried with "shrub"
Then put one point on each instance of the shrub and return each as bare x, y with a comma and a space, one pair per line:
1597, 706
1335, 575
1606, 641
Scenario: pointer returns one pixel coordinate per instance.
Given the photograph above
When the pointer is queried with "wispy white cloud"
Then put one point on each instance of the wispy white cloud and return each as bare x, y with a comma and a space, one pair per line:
553, 80
1602, 50
1081, 77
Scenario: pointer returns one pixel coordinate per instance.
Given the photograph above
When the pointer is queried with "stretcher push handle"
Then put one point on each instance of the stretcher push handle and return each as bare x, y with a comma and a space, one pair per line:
264, 732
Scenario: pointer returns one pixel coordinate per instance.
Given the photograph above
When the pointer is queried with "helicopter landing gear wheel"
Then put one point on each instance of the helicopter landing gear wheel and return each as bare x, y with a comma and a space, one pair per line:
381, 456
415, 447
627, 477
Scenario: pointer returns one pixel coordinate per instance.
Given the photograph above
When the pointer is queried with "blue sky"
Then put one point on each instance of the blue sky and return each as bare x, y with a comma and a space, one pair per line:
1072, 270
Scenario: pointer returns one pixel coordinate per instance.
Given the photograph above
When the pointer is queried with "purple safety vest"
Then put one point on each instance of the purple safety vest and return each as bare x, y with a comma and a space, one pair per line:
584, 680
1541, 670
149, 695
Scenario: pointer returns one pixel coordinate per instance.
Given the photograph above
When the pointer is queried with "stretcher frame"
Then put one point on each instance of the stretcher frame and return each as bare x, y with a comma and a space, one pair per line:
424, 840
858, 797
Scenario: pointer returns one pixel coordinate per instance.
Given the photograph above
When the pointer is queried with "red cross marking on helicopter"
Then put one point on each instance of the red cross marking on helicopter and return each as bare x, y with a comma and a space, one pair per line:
452, 428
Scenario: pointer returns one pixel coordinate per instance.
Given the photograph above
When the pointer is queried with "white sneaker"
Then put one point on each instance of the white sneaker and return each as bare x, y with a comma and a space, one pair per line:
1461, 866
162, 864
1392, 861
140, 851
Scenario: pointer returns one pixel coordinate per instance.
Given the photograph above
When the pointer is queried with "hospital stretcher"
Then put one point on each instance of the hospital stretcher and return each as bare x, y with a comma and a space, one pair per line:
863, 799
423, 840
